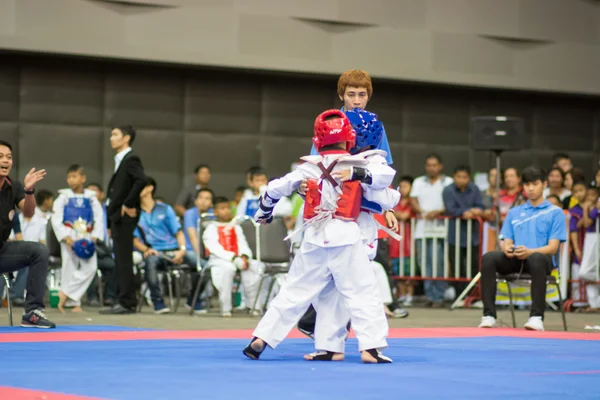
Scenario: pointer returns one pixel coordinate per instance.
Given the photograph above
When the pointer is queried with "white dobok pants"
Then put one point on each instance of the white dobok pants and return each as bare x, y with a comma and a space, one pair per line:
315, 270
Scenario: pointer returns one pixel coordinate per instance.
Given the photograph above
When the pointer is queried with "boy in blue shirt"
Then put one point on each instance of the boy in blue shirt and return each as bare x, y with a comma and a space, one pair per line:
532, 235
160, 239
202, 204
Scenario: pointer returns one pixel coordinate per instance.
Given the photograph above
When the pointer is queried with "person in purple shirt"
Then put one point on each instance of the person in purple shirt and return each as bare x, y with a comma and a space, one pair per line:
579, 217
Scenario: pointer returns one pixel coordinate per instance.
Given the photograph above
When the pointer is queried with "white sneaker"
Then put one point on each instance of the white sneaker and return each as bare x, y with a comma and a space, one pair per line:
487, 322
535, 324
226, 314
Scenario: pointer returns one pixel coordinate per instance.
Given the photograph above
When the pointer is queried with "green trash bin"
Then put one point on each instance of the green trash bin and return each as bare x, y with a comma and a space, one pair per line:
54, 298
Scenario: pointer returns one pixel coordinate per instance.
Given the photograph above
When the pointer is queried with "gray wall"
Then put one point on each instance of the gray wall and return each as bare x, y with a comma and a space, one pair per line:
59, 111
519, 44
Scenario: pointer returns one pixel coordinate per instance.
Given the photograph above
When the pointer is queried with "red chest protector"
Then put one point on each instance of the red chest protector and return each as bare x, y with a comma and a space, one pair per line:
348, 205
228, 238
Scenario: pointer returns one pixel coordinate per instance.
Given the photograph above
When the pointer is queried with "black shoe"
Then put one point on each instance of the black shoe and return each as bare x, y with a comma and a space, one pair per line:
117, 310
36, 319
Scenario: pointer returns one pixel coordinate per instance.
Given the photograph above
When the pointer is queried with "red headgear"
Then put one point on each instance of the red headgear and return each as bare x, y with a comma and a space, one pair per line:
333, 131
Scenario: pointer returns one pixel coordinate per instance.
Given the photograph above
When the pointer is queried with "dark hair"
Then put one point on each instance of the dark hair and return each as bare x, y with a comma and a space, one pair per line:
580, 183
576, 174
151, 182
433, 155
462, 168
250, 171
205, 190
406, 178
240, 189
533, 174
220, 200
554, 197
128, 130
559, 156
258, 172
76, 168
560, 171
42, 195
519, 174
99, 186
5, 143
199, 167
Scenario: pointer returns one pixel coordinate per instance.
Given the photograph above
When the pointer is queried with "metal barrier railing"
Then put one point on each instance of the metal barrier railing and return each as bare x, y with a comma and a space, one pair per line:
440, 235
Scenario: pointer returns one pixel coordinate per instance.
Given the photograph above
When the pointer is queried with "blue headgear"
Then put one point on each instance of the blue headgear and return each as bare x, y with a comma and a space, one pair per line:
84, 248
369, 130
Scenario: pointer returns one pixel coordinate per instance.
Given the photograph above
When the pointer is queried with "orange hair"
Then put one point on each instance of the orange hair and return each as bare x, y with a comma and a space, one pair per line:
355, 78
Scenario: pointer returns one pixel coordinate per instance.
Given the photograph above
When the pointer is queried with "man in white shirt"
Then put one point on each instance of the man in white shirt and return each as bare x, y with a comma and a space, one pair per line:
428, 203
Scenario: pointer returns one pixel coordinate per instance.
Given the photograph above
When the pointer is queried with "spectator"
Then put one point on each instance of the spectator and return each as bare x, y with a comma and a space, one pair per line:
229, 253
203, 204
488, 196
249, 202
428, 204
106, 263
160, 239
590, 260
77, 215
574, 175
187, 196
554, 200
44, 200
512, 192
405, 289
239, 193
596, 181
532, 234
562, 161
556, 184
576, 222
462, 199
249, 174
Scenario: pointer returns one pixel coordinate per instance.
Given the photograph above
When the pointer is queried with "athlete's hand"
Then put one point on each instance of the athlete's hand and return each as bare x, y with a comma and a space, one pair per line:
303, 187
343, 175
391, 220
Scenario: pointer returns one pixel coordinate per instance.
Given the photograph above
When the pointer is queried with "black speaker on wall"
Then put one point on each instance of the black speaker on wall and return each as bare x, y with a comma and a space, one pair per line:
498, 133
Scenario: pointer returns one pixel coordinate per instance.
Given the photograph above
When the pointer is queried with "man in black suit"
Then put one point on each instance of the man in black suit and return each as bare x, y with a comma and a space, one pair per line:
123, 210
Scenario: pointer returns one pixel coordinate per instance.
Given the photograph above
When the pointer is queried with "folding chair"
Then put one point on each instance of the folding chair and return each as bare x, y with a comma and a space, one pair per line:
274, 253
522, 278
7, 283
54, 261
172, 271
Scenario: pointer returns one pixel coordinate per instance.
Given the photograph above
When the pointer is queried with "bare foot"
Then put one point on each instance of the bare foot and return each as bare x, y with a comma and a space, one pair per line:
258, 345
324, 356
62, 299
368, 358
388, 313
76, 309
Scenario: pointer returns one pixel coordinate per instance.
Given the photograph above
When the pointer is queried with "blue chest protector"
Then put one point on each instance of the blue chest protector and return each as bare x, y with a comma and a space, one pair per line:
76, 208
251, 207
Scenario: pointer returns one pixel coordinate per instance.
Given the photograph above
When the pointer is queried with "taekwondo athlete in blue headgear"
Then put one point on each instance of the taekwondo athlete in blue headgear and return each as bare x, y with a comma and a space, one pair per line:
78, 221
